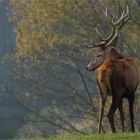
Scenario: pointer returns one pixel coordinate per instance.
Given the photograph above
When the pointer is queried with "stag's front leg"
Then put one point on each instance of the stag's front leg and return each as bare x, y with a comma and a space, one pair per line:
102, 105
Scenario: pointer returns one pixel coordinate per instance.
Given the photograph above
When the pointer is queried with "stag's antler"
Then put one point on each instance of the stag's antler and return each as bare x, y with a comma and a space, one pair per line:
116, 27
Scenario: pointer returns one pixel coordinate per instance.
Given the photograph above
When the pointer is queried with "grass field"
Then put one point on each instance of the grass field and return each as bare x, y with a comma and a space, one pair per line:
117, 136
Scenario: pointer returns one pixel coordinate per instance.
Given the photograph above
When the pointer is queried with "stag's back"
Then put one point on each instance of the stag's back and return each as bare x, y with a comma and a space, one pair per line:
118, 74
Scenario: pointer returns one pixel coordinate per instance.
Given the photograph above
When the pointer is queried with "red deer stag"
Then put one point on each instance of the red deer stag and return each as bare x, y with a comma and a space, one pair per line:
116, 75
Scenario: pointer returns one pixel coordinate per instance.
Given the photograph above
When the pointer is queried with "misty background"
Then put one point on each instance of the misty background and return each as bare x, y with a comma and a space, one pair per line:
44, 86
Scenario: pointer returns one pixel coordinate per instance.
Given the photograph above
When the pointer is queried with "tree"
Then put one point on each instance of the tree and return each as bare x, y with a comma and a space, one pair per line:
51, 58
44, 24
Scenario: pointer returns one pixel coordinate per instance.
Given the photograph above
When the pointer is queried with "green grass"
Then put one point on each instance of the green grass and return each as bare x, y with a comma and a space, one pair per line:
117, 136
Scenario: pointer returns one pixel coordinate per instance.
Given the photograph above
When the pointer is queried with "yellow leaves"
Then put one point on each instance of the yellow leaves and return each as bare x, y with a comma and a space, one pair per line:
58, 40
40, 24
131, 34
13, 2
53, 23
60, 3
29, 44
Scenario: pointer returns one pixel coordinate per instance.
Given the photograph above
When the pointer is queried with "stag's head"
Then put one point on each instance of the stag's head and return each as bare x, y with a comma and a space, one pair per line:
110, 41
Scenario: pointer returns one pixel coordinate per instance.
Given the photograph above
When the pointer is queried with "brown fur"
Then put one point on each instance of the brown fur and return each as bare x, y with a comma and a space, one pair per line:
117, 77
124, 68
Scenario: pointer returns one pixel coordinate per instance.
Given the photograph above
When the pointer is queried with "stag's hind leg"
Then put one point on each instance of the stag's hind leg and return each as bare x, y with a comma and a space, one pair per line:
131, 103
120, 107
113, 107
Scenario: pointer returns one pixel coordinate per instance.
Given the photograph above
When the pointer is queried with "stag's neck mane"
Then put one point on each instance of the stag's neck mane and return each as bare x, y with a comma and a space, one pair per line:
113, 54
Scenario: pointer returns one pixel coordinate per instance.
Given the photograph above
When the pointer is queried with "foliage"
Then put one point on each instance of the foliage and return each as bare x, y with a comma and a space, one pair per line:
44, 23
55, 87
